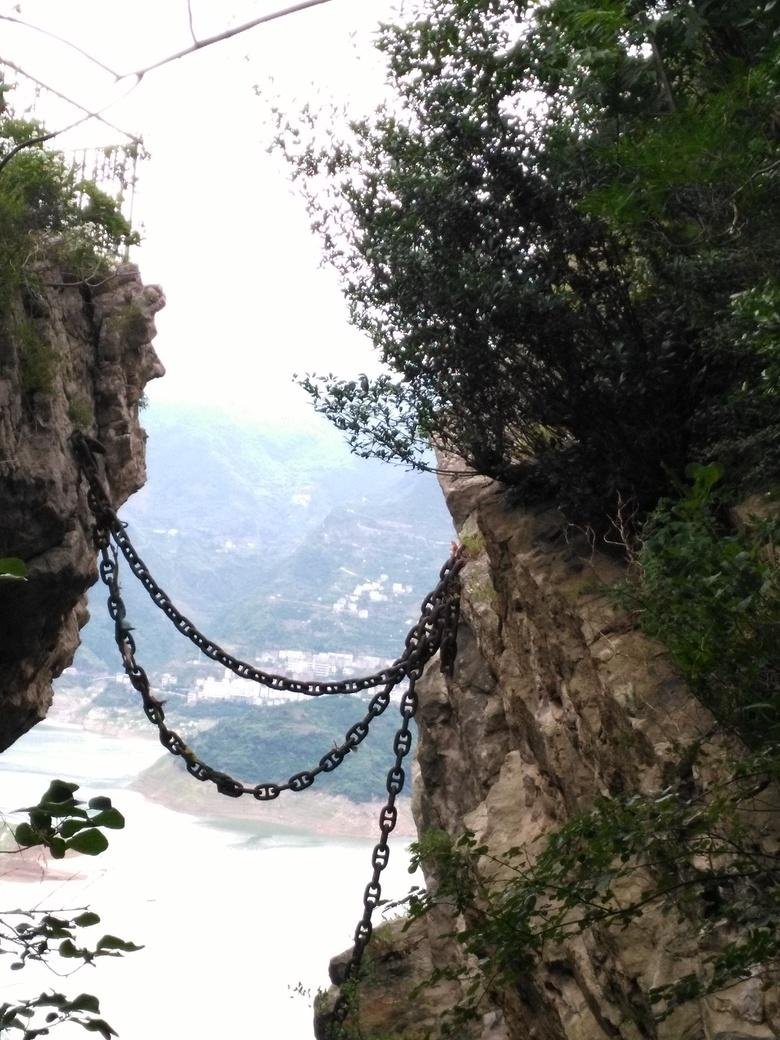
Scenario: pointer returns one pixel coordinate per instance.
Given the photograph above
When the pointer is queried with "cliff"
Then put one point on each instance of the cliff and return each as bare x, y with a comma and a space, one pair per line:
556, 699
72, 356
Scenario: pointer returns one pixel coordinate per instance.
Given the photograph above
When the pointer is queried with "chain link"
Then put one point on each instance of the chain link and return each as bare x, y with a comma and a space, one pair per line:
435, 631
423, 642
108, 526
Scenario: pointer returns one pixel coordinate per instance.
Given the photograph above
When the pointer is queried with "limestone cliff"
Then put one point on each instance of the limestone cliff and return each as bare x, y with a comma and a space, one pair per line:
71, 357
555, 699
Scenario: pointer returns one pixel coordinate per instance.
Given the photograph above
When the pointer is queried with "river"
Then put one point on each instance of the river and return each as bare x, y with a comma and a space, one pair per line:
236, 917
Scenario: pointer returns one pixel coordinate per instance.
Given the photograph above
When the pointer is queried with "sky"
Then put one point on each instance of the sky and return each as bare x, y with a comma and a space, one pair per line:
224, 234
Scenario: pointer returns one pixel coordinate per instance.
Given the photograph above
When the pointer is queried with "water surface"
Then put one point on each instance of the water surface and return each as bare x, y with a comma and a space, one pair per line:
235, 916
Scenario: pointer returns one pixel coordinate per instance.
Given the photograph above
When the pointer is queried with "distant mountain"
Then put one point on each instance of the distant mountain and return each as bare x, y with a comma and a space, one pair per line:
272, 539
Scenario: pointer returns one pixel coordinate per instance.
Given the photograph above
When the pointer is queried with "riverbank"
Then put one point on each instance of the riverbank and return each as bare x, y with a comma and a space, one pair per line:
167, 783
331, 816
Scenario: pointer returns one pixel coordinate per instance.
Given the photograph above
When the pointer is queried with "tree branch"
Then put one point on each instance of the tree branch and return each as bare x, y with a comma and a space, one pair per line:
663, 79
61, 39
29, 144
88, 113
192, 28
226, 35
137, 75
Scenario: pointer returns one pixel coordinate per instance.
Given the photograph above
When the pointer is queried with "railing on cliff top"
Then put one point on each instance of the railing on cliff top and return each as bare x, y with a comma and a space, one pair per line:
435, 631
112, 167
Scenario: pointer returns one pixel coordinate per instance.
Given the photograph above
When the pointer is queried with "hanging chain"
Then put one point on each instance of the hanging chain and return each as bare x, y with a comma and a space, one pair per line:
435, 631
388, 817
110, 526
422, 642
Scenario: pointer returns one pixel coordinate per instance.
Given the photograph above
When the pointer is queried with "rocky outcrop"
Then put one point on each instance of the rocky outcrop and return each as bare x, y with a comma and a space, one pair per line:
71, 357
556, 698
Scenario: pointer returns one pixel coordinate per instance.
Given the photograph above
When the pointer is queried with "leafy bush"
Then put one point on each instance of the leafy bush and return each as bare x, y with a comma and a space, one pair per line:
683, 851
46, 208
37, 359
712, 596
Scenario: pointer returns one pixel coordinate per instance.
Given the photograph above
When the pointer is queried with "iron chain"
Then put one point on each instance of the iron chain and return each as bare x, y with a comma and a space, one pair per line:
435, 631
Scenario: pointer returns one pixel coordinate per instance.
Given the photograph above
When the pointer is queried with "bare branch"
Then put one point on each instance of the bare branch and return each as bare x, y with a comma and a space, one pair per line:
30, 144
226, 35
61, 39
137, 75
88, 113
192, 28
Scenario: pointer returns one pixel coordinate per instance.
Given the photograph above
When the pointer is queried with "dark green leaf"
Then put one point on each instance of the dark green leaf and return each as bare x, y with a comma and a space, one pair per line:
91, 842
86, 919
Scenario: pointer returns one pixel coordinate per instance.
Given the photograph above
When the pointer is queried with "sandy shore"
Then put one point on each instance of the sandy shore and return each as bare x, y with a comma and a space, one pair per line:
327, 815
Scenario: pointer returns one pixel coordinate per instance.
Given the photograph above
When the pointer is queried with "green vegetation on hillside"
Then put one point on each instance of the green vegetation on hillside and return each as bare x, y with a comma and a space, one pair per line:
270, 744
307, 525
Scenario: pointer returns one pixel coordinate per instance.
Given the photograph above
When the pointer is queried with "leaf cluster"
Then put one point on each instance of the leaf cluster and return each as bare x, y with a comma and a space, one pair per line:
711, 594
83, 1010
59, 823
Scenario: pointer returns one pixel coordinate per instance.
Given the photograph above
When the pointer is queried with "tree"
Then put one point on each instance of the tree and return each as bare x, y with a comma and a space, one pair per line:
547, 235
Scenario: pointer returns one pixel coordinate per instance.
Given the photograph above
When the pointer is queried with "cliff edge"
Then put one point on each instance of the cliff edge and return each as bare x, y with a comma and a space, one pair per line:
556, 699
72, 357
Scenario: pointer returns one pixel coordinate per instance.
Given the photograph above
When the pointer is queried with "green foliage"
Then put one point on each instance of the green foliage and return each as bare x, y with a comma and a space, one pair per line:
37, 359
60, 823
743, 429
12, 569
80, 413
46, 208
712, 596
130, 324
684, 852
547, 236
259, 741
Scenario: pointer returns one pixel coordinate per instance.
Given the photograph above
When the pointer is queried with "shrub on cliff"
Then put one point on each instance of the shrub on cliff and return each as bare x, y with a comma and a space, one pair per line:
47, 209
547, 236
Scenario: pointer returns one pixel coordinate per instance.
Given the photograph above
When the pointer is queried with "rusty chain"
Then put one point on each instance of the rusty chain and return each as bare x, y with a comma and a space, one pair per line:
435, 631
422, 642
109, 525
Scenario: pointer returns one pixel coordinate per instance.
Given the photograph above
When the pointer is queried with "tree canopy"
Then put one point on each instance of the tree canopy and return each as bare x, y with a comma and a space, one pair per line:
561, 237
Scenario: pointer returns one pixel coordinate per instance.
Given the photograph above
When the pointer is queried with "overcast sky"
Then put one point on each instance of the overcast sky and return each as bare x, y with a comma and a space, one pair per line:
225, 236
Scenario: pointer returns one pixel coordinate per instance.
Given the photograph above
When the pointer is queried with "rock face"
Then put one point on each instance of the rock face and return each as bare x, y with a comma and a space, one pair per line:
555, 699
71, 357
